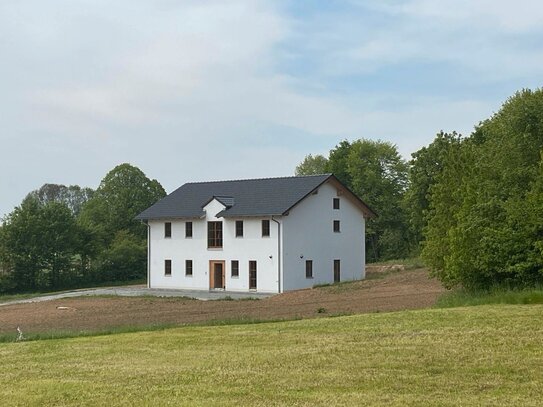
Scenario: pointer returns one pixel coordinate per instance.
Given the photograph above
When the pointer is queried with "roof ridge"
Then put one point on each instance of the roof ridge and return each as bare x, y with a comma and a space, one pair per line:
258, 179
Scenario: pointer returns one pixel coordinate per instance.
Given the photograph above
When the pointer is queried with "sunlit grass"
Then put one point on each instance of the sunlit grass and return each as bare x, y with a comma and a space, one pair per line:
487, 355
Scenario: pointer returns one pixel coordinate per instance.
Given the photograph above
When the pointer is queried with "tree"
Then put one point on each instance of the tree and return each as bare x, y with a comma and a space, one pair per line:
379, 176
39, 243
73, 196
485, 223
312, 165
124, 192
424, 169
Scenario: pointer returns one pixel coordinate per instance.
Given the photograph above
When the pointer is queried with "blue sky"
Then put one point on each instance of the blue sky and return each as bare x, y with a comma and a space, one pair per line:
193, 90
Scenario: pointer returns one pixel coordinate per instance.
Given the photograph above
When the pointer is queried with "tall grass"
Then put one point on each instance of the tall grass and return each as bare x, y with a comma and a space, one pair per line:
495, 295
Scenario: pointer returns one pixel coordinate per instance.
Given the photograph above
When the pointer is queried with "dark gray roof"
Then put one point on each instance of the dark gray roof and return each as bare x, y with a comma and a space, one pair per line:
249, 197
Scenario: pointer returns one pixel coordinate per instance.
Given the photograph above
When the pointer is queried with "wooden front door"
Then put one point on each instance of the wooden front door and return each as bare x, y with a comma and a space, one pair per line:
216, 274
252, 275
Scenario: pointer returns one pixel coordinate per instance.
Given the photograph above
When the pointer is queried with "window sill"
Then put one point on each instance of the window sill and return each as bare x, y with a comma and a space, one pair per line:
188, 275
215, 249
167, 275
235, 277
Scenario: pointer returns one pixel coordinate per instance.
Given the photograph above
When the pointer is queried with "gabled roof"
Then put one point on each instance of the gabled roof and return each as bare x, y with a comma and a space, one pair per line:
249, 197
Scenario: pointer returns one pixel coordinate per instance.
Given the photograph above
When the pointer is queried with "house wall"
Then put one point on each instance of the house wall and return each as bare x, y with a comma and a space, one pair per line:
252, 246
308, 232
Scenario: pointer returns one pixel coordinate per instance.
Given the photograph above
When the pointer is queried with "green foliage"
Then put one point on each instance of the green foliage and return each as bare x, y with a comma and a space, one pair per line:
485, 222
494, 295
126, 258
123, 193
39, 243
312, 165
376, 173
73, 196
426, 166
63, 237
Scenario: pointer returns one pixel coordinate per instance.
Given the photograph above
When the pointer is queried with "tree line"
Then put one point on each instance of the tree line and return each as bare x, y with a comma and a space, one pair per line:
471, 207
62, 237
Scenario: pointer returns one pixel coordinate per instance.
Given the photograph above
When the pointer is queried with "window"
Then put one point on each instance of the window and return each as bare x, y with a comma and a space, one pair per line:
309, 269
235, 268
167, 267
214, 234
188, 267
239, 228
336, 203
336, 226
337, 271
265, 227
188, 229
168, 229
252, 275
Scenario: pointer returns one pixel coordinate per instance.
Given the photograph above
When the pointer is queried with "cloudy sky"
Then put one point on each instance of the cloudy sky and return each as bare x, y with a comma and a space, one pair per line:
202, 90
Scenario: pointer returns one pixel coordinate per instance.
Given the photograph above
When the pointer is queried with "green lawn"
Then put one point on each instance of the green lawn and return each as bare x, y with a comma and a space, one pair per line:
486, 355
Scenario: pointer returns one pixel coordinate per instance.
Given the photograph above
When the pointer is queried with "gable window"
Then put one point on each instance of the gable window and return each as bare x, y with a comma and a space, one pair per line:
188, 229
239, 228
336, 203
235, 268
265, 228
214, 235
309, 269
168, 229
167, 267
336, 226
188, 267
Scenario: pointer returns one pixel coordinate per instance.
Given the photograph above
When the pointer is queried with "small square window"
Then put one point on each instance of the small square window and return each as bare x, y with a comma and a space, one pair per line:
188, 229
239, 228
336, 203
235, 268
309, 269
265, 228
188, 267
167, 267
337, 226
168, 229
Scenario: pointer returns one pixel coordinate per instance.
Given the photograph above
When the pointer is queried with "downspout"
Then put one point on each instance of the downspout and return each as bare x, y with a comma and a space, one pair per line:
279, 260
148, 254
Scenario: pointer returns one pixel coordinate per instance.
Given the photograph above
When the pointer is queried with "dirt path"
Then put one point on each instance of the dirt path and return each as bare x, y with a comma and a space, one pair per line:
397, 291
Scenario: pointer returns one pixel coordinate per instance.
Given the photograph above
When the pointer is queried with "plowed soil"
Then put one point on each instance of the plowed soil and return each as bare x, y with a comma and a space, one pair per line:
390, 291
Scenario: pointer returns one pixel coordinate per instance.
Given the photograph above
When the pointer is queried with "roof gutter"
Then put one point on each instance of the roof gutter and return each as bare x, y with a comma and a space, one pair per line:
279, 260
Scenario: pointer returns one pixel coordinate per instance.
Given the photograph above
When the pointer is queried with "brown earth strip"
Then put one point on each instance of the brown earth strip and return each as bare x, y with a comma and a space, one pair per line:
393, 291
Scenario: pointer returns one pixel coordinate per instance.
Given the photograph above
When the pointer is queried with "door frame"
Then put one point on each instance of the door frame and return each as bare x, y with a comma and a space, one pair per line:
212, 273
256, 275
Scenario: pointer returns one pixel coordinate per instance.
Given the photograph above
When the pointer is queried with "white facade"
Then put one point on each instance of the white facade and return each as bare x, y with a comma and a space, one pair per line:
305, 233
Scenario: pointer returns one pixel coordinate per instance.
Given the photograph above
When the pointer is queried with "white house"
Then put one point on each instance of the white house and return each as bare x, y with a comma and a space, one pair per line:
270, 235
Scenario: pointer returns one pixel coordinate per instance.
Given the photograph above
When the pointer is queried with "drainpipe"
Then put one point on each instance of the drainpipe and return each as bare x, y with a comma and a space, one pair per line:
148, 254
279, 260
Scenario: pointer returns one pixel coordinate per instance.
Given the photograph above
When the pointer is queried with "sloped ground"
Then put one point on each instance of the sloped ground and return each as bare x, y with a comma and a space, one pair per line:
382, 291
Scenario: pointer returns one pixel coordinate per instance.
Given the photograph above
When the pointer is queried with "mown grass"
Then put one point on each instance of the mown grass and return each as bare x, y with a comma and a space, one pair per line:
488, 355
497, 295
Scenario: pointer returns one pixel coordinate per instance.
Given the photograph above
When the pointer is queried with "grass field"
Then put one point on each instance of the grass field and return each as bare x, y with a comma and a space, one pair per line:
486, 355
